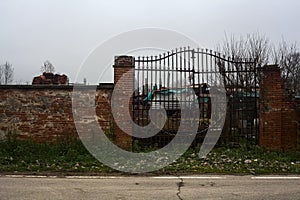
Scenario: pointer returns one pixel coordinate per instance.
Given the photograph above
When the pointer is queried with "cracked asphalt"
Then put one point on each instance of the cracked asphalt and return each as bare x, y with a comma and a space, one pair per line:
137, 187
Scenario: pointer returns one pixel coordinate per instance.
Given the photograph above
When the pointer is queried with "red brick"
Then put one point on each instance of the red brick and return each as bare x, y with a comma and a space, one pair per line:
278, 128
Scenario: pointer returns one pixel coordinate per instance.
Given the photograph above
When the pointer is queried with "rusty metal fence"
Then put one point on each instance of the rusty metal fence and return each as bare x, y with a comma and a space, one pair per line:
164, 81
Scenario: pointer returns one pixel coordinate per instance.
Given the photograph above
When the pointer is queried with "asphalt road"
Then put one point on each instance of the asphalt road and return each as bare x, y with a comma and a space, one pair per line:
133, 187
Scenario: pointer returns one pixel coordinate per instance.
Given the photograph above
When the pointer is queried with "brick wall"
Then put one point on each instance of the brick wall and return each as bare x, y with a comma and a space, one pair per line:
43, 113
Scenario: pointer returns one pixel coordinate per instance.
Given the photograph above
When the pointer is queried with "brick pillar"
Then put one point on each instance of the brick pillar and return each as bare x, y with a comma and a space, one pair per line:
277, 127
122, 65
289, 120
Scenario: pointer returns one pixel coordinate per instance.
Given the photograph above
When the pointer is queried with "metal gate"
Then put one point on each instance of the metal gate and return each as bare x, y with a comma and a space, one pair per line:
161, 80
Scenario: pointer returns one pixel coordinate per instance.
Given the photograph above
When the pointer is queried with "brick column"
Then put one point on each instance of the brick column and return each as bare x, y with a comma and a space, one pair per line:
289, 120
122, 65
277, 127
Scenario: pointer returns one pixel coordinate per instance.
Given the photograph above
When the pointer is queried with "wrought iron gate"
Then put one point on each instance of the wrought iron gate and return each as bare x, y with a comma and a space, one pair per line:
159, 80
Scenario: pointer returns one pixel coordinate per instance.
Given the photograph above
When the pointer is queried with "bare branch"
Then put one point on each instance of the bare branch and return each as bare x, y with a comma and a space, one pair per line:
6, 73
47, 67
254, 47
288, 58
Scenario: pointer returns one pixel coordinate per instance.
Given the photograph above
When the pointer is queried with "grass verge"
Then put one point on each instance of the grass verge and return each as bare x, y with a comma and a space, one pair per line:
65, 157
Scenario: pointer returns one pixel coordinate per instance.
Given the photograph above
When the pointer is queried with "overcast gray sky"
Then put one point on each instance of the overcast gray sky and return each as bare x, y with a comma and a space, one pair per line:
66, 31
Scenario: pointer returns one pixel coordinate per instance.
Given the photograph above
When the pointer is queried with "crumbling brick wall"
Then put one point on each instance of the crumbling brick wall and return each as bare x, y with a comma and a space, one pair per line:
50, 79
44, 112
